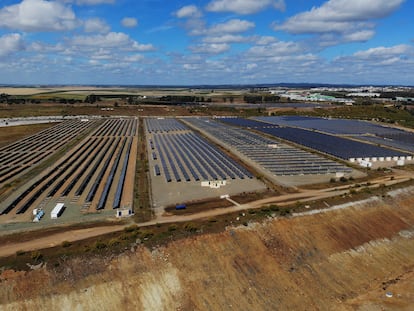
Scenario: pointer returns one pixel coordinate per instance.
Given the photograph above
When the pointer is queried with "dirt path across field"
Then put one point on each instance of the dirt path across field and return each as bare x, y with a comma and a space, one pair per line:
56, 239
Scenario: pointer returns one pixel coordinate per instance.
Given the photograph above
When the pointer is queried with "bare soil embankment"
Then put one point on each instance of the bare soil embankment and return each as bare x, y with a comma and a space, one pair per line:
344, 259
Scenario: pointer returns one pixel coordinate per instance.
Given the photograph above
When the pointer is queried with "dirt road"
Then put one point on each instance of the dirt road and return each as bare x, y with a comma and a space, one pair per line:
56, 239
303, 196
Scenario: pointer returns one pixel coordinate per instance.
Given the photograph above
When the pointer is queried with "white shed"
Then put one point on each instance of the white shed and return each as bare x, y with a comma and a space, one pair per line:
57, 211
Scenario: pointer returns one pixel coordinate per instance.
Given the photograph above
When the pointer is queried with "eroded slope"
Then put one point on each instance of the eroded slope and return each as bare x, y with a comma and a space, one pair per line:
344, 259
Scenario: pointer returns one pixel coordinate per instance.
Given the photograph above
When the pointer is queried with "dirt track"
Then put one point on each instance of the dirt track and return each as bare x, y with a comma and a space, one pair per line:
56, 239
304, 195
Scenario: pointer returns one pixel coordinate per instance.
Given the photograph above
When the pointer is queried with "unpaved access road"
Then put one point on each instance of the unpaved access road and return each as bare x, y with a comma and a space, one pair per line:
56, 239
303, 196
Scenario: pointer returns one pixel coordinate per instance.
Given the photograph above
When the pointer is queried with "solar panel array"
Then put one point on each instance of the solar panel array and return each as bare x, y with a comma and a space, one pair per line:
24, 154
362, 130
403, 141
88, 174
155, 125
332, 126
275, 157
180, 155
333, 145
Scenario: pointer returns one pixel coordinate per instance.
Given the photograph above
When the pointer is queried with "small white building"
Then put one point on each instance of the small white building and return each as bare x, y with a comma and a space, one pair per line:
124, 212
57, 211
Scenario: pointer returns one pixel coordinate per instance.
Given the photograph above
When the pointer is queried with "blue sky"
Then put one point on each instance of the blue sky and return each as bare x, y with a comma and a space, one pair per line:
206, 41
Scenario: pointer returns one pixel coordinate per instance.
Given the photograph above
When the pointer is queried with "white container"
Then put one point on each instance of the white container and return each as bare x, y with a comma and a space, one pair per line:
57, 211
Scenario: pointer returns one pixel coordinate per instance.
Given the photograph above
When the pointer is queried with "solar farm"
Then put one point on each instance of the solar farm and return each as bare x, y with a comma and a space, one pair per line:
95, 175
186, 166
188, 160
18, 157
278, 161
333, 136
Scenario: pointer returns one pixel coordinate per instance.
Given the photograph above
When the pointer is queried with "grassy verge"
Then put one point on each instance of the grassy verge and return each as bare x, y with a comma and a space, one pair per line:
142, 205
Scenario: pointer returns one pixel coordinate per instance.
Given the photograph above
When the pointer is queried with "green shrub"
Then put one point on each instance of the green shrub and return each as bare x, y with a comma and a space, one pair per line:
284, 212
274, 208
131, 228
36, 256
66, 244
147, 235
172, 228
100, 245
20, 253
190, 227
114, 242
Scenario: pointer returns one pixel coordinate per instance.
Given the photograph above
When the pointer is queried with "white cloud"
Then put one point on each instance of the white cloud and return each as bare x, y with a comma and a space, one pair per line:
96, 25
188, 11
340, 21
359, 36
11, 43
38, 15
251, 66
244, 6
141, 47
129, 22
226, 38
385, 52
111, 40
191, 67
210, 48
232, 26
265, 40
92, 2
134, 58
275, 49
339, 16
40, 47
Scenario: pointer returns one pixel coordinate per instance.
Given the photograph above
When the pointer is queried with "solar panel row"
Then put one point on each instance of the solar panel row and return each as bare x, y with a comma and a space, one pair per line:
188, 156
334, 145
159, 125
17, 157
332, 126
273, 156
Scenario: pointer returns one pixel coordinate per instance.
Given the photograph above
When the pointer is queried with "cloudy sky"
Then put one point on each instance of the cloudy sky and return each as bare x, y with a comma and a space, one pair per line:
206, 41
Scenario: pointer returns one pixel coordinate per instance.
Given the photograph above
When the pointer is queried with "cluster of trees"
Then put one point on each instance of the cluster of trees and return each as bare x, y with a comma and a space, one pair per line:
396, 94
5, 98
184, 99
253, 99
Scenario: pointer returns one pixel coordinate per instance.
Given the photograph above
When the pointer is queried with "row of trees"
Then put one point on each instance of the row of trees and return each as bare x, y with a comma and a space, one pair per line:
253, 99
